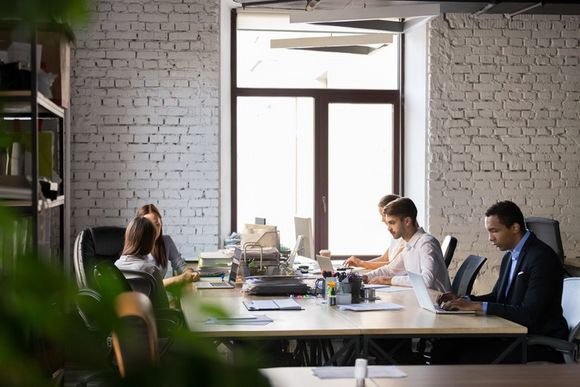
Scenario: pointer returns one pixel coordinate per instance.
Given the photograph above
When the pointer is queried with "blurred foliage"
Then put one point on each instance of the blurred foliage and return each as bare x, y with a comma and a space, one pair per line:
39, 323
29, 11
61, 14
37, 333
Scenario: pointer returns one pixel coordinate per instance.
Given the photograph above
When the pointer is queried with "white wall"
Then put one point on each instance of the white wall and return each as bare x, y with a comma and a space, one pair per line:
145, 117
415, 108
504, 123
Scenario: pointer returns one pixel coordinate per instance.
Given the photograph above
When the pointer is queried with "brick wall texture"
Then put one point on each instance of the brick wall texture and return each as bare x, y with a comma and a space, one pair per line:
145, 117
504, 122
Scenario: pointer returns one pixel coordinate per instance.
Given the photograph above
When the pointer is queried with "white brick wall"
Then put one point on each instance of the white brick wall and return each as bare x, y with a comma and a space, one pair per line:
145, 117
504, 124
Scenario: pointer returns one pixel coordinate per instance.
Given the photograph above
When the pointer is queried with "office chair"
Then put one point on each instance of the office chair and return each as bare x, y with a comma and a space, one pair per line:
448, 247
466, 274
133, 343
135, 335
571, 309
548, 231
94, 245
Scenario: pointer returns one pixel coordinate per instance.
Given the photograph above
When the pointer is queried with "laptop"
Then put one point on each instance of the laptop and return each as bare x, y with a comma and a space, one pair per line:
229, 284
425, 300
294, 252
325, 264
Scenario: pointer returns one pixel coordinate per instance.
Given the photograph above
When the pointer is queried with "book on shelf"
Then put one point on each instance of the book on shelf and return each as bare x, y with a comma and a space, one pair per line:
15, 187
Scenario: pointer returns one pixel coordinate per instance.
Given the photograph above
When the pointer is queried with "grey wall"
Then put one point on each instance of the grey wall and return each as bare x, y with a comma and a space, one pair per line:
504, 123
145, 117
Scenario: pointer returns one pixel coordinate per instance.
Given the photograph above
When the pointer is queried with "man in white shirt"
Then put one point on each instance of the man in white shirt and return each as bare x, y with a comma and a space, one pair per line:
418, 251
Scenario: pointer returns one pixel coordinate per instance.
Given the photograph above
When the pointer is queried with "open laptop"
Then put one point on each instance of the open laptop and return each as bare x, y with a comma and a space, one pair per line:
325, 264
294, 252
229, 284
425, 300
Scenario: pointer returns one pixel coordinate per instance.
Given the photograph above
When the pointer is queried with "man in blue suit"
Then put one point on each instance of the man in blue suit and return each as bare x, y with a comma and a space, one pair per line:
529, 288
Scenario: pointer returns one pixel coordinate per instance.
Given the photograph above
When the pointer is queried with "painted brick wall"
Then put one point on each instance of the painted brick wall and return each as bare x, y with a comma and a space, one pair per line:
145, 117
504, 124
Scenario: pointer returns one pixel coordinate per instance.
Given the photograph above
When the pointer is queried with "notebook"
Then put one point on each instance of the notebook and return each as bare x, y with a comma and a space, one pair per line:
229, 284
283, 304
425, 300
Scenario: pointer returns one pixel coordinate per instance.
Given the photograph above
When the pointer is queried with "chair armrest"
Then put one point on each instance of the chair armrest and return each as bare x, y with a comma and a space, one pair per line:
557, 344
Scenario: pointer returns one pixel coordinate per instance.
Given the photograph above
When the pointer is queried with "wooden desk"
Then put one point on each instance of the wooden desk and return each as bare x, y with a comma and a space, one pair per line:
530, 375
315, 320
321, 321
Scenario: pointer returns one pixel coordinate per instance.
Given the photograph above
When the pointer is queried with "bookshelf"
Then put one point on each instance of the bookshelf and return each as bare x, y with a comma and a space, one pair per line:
39, 127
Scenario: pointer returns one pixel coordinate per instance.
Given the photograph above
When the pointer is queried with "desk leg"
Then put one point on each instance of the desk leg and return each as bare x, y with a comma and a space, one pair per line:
345, 350
518, 341
369, 343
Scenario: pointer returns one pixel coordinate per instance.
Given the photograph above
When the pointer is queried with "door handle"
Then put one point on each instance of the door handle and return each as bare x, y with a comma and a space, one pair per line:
324, 206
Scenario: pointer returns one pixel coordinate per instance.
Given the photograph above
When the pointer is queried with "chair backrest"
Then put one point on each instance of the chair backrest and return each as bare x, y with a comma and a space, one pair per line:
94, 245
571, 304
448, 247
466, 274
111, 281
548, 231
135, 338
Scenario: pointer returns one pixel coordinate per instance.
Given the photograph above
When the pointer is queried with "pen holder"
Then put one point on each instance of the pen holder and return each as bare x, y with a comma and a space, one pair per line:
343, 299
320, 287
355, 286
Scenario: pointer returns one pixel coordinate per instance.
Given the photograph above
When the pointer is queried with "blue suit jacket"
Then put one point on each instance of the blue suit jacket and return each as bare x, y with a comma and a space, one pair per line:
534, 298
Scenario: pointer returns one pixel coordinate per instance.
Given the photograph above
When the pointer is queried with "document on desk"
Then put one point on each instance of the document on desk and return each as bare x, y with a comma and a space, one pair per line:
393, 289
370, 307
240, 320
283, 304
348, 372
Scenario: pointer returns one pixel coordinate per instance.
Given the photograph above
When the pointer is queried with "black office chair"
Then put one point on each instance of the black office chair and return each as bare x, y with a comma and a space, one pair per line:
466, 274
571, 311
133, 348
94, 245
112, 281
448, 247
135, 335
548, 231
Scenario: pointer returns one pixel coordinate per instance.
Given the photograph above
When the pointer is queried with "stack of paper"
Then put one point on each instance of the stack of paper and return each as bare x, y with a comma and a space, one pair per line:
215, 259
374, 372
240, 320
284, 304
370, 307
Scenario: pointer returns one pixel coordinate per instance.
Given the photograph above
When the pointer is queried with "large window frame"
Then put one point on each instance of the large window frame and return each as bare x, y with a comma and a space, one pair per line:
322, 98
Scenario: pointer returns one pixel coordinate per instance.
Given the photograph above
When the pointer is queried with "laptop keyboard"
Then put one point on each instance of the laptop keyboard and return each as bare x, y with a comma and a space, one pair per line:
219, 284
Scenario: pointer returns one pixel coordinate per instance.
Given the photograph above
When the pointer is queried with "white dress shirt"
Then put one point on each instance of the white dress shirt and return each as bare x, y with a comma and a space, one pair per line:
421, 254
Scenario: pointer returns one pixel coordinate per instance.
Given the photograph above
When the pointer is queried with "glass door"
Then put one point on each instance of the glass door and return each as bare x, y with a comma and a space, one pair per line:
361, 165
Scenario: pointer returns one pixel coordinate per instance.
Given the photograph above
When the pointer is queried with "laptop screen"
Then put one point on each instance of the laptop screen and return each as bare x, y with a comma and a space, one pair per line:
234, 270
294, 251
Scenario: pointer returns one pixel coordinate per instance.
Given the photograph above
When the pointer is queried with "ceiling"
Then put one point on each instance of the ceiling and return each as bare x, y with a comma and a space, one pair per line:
545, 7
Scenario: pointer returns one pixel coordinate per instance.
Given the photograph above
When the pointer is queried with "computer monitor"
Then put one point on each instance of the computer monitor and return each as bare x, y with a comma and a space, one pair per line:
303, 226
260, 221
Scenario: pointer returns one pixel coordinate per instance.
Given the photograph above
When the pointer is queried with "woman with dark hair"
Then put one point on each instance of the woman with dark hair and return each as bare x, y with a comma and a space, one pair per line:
139, 239
164, 254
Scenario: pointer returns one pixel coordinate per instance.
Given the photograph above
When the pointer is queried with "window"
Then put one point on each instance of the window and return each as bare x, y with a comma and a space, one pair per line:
306, 142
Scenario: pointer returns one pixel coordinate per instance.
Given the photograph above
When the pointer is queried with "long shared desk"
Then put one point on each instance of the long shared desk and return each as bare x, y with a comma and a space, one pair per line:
529, 375
320, 321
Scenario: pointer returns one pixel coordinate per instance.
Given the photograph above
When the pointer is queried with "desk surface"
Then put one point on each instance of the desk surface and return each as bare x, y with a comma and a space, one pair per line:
530, 375
322, 320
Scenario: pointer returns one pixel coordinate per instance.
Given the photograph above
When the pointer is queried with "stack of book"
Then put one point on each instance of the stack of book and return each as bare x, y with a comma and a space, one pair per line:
214, 262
